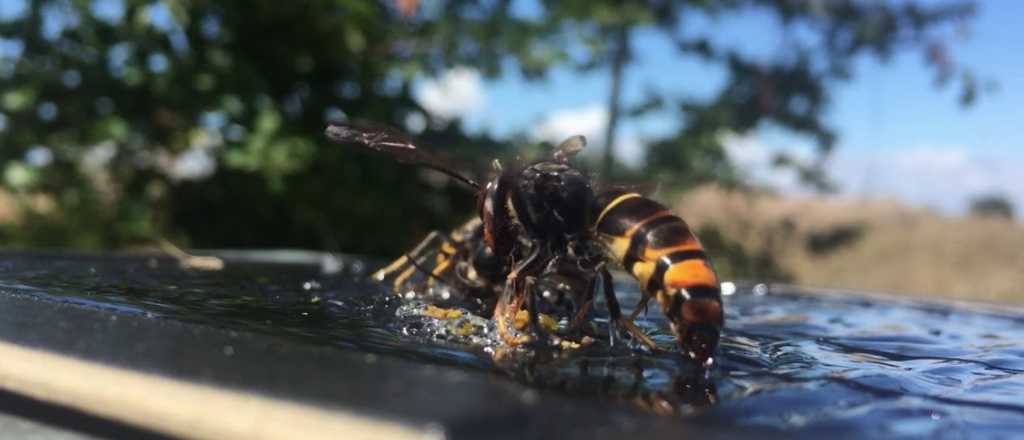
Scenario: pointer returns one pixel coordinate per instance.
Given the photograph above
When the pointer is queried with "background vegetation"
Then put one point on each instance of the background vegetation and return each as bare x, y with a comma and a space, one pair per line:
875, 245
126, 121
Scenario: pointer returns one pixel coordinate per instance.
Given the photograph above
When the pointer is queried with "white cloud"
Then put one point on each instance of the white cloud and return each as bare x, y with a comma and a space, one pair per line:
456, 93
589, 121
631, 150
754, 157
944, 178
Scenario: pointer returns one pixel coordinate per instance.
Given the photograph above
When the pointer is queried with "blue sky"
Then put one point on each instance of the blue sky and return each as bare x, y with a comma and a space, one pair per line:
900, 136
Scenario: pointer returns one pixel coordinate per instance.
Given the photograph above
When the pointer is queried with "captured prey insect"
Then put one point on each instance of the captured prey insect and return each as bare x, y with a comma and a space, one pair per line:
460, 269
535, 216
457, 264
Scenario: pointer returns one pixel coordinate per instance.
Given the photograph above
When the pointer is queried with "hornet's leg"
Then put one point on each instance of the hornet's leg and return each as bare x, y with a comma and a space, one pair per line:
506, 308
584, 306
615, 313
500, 309
640, 307
405, 265
445, 257
512, 297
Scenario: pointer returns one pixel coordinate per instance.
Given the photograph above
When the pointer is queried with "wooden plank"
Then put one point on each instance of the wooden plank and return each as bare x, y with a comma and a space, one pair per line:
179, 408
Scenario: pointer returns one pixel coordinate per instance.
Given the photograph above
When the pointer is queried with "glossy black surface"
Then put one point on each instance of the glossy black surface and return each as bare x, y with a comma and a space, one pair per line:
790, 362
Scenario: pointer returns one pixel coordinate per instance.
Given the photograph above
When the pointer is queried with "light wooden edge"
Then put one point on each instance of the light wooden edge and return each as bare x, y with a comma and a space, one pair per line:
180, 408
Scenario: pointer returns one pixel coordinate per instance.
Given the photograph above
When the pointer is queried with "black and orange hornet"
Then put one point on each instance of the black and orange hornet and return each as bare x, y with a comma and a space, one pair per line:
541, 218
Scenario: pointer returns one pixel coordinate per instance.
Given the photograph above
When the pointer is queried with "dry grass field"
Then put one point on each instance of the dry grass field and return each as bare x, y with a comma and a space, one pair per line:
875, 245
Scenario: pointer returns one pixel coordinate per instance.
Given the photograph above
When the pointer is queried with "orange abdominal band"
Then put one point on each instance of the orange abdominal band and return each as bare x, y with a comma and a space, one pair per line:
690, 273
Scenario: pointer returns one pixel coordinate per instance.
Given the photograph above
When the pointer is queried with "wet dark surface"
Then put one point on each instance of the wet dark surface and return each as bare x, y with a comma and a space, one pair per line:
791, 362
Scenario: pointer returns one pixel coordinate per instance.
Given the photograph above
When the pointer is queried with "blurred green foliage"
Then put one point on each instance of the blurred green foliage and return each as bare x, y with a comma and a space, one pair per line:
124, 121
202, 121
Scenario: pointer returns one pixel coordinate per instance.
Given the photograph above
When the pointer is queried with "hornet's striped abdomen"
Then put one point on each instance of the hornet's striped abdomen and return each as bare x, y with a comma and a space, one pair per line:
658, 248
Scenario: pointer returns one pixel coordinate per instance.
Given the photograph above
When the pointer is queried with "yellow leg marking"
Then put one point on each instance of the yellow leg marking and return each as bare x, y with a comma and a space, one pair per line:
448, 248
401, 278
615, 202
380, 274
441, 259
441, 267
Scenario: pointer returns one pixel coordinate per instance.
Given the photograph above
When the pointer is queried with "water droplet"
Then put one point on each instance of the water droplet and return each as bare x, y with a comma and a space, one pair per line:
760, 289
728, 288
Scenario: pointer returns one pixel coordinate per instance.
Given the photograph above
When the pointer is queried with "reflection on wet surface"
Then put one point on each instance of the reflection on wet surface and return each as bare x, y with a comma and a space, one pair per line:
821, 363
